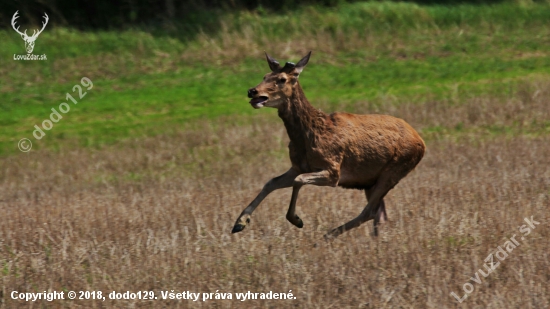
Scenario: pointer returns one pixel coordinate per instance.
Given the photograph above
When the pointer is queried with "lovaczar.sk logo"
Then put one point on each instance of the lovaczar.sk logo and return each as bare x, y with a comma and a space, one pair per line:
29, 40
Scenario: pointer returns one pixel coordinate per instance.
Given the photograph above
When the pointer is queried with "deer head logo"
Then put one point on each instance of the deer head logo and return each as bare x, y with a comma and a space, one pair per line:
29, 40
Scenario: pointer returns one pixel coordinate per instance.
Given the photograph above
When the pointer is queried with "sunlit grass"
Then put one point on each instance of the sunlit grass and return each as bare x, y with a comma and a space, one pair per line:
382, 53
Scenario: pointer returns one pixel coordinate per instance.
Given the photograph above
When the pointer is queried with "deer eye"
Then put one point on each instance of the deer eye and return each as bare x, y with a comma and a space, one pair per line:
282, 80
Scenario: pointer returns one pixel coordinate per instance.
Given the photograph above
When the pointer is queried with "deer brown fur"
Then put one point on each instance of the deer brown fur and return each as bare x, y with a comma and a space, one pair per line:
367, 152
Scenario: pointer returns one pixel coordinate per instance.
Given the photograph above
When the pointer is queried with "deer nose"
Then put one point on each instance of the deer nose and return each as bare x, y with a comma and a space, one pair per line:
252, 92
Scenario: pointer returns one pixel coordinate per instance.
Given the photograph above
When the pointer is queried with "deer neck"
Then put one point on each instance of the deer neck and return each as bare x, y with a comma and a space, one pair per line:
302, 121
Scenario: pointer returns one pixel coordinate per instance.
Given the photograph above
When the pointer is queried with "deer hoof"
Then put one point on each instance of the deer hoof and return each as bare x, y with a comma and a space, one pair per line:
237, 228
241, 223
299, 223
296, 221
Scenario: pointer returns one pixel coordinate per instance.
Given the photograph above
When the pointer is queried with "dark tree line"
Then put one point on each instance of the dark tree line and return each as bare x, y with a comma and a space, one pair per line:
117, 14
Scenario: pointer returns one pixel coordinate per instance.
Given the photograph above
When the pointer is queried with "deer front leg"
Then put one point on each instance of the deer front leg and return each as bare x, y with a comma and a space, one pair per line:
284, 181
322, 178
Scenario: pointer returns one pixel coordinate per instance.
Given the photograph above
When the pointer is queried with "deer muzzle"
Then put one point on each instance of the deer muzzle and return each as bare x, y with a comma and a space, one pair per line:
257, 101
252, 92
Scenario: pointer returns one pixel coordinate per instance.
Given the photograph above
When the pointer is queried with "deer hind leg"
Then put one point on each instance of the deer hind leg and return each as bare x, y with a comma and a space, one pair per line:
380, 215
375, 209
284, 181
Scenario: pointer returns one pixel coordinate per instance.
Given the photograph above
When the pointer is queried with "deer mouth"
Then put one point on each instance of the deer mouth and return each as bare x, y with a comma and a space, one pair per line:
258, 102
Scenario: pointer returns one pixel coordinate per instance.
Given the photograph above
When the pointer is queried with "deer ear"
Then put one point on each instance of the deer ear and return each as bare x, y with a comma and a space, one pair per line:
302, 63
273, 64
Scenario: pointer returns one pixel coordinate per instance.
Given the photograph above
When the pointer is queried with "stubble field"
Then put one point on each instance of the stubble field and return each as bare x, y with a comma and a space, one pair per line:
138, 187
156, 214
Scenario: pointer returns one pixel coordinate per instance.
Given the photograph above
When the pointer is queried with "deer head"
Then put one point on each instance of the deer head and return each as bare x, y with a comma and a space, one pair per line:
278, 85
29, 40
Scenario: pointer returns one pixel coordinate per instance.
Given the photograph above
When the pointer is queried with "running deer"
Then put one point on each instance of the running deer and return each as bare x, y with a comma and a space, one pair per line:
366, 152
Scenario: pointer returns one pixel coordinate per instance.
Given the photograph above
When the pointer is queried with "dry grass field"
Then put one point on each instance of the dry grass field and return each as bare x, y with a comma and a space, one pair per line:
155, 214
